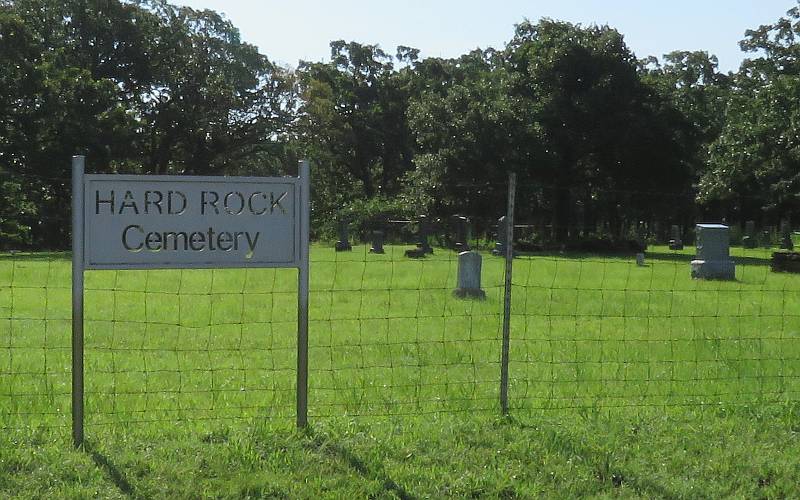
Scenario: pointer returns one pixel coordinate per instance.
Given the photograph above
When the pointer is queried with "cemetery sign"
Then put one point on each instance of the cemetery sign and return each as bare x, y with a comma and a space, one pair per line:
152, 221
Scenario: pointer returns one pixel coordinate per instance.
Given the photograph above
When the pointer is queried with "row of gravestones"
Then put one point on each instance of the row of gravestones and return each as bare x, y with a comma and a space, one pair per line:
750, 238
713, 252
463, 234
426, 228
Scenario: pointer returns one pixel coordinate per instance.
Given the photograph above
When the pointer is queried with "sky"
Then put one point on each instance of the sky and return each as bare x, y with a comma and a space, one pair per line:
289, 31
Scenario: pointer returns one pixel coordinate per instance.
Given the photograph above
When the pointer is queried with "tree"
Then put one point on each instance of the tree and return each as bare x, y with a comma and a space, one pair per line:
352, 123
564, 107
142, 87
469, 132
754, 165
214, 103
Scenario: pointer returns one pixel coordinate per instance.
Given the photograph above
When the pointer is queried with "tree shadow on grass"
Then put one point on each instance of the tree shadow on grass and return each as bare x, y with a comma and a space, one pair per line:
337, 451
679, 257
33, 255
112, 471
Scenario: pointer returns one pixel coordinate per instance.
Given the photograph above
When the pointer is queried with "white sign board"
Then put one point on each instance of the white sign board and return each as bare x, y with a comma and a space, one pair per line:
148, 221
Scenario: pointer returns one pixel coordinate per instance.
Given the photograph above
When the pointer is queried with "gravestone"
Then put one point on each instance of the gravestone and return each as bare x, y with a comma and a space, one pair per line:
786, 236
750, 240
641, 236
469, 276
502, 232
713, 253
675, 241
640, 259
424, 230
377, 241
462, 233
343, 228
766, 237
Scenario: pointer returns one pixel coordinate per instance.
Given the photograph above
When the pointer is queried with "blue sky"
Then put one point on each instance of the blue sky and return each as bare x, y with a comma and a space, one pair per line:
301, 29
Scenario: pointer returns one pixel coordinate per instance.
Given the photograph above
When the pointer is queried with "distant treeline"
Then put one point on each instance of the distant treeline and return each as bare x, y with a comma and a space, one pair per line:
599, 138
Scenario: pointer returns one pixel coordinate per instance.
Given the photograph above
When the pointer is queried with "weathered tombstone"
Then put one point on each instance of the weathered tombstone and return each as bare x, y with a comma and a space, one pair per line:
469, 276
766, 237
713, 253
786, 236
641, 236
343, 227
424, 229
502, 231
675, 241
640, 259
750, 240
377, 241
462, 233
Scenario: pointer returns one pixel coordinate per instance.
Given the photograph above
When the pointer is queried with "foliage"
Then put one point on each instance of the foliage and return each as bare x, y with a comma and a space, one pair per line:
754, 165
371, 214
599, 139
352, 124
143, 87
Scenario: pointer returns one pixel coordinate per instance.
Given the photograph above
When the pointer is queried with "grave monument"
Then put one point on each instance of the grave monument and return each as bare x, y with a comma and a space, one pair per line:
786, 236
500, 245
749, 240
343, 228
469, 276
377, 241
675, 241
462, 233
713, 253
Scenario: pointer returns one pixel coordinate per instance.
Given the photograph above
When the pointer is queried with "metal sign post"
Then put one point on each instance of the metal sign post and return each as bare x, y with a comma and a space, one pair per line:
168, 222
302, 296
77, 300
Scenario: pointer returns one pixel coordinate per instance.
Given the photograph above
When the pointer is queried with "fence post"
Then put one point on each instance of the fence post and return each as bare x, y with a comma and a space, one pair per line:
77, 300
512, 189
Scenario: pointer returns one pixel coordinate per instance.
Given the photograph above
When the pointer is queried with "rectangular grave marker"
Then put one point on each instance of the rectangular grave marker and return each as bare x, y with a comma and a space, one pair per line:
713, 253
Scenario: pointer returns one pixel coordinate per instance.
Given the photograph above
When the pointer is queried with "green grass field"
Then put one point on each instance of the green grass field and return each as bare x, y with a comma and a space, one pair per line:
625, 380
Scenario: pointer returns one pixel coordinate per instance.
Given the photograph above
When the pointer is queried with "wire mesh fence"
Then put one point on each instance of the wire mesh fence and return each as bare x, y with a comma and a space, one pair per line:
595, 332
389, 337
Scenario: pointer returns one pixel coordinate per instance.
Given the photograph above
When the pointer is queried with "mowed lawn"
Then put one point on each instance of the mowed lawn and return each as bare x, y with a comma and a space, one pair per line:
621, 378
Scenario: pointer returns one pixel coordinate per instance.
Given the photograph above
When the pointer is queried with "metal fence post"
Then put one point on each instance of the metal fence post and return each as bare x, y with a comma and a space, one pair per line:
512, 188
302, 295
77, 300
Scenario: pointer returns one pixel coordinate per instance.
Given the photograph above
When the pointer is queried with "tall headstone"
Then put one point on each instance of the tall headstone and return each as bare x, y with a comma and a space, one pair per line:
641, 236
786, 236
343, 228
713, 253
750, 239
425, 230
766, 237
377, 241
675, 240
469, 276
462, 232
502, 231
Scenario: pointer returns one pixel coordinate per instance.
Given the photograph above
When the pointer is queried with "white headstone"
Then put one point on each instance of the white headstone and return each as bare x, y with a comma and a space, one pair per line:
469, 275
713, 253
